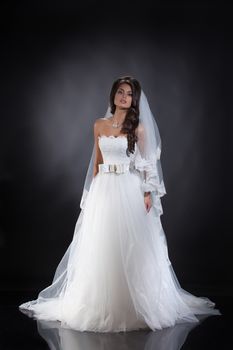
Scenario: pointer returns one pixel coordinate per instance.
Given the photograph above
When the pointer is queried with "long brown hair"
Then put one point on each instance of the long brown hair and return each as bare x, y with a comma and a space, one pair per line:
132, 116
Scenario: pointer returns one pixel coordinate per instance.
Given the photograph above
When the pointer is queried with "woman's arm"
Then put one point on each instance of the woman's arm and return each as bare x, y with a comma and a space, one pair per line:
147, 194
98, 155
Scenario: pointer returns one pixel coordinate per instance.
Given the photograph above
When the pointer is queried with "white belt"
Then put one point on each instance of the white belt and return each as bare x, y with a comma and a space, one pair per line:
114, 168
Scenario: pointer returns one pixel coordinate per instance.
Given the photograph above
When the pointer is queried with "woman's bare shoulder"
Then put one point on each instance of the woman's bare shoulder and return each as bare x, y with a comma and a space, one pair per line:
99, 123
100, 119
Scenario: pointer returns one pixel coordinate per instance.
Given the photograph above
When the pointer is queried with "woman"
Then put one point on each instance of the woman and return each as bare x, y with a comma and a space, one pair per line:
116, 274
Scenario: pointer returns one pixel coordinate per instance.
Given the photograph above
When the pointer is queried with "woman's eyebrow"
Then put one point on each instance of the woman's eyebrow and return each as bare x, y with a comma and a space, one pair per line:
124, 90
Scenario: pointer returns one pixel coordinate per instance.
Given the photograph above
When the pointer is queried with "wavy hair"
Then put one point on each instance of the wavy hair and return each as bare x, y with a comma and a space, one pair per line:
132, 116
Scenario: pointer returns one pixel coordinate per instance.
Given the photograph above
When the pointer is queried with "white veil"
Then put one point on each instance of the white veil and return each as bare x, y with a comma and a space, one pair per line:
146, 160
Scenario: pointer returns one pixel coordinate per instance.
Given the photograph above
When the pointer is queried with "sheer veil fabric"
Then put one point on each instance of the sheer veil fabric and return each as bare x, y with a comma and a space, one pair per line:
118, 257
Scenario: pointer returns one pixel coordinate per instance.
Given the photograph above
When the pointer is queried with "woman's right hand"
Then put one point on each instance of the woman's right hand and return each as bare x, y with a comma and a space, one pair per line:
147, 201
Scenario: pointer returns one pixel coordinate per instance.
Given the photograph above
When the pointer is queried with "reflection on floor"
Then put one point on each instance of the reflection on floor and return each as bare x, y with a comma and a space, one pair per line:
21, 332
64, 339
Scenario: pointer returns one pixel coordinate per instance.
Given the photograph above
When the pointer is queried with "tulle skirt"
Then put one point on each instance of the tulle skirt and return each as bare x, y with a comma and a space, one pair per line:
116, 274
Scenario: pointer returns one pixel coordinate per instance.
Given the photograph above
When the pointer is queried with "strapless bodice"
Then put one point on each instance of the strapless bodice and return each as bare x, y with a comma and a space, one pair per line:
114, 148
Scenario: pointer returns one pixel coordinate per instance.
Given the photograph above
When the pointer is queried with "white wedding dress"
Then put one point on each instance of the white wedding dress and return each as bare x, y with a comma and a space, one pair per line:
116, 274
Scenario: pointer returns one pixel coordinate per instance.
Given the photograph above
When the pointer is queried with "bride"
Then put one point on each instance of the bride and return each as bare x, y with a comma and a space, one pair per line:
116, 274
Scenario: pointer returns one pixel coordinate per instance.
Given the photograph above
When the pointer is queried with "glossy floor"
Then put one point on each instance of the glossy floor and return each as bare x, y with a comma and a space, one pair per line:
18, 331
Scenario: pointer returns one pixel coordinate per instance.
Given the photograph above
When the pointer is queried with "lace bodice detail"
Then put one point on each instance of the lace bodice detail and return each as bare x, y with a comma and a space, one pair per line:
113, 149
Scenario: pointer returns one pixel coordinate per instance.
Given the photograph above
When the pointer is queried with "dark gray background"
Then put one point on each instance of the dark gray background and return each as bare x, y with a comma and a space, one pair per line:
58, 62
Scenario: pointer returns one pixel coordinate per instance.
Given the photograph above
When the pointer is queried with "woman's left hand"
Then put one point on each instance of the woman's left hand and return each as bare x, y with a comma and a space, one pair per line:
147, 201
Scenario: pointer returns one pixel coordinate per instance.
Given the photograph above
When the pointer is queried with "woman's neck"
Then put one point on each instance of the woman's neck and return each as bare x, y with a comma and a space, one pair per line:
119, 115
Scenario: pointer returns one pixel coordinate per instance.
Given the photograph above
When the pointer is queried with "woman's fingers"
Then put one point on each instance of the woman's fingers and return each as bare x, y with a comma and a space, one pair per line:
148, 202
148, 206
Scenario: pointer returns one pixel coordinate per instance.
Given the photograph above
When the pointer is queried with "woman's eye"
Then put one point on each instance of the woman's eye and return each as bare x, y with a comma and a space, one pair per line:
121, 92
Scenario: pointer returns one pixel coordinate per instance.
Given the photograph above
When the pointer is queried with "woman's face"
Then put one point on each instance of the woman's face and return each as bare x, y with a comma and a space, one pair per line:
123, 96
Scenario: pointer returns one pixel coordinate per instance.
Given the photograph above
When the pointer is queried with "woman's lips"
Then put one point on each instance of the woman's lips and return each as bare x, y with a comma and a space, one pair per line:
123, 101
